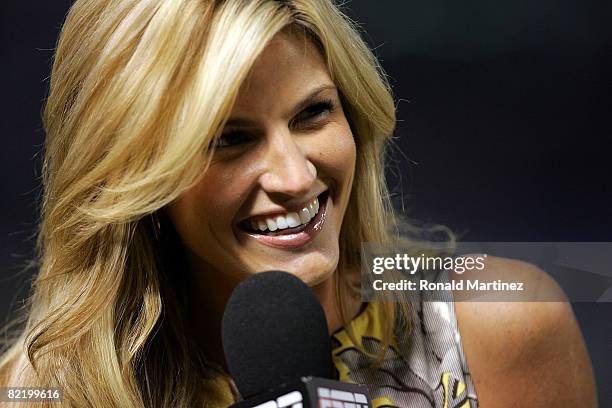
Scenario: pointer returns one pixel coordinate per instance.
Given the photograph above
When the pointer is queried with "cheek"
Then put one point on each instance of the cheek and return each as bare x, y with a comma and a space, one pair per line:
349, 152
186, 216
215, 194
340, 153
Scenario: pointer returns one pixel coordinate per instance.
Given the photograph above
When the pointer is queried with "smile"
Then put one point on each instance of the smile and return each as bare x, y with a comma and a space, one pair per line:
290, 230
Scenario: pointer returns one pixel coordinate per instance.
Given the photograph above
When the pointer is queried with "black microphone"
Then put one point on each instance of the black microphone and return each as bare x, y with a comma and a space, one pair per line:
277, 347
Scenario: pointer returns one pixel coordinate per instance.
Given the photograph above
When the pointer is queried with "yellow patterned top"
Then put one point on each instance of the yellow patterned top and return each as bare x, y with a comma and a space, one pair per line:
423, 368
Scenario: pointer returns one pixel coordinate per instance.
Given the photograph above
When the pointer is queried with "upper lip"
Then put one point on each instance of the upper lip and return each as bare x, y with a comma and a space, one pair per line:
286, 208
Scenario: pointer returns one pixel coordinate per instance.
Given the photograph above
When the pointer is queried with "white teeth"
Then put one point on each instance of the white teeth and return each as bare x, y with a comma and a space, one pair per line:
271, 224
281, 222
304, 215
289, 220
293, 220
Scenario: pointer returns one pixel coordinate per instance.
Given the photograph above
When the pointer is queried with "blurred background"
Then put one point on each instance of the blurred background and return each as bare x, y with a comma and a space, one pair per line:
504, 119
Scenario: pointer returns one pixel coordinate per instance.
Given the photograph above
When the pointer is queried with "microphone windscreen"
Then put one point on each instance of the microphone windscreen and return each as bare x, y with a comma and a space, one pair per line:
274, 331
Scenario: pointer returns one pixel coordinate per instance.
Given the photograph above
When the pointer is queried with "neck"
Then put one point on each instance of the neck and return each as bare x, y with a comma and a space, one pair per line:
209, 303
326, 292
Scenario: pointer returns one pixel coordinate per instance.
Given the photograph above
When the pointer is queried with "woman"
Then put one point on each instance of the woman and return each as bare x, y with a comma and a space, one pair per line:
191, 144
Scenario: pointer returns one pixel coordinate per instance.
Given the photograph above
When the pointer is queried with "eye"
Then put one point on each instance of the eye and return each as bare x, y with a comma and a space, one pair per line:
233, 139
315, 112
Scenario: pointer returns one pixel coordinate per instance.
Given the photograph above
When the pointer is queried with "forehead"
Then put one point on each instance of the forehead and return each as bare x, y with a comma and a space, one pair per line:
289, 67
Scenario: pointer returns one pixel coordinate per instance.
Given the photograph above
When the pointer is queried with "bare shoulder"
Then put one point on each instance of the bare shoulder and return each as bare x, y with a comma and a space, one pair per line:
525, 353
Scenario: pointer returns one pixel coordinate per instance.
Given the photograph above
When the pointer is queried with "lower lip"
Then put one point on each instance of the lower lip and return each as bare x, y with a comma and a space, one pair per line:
295, 241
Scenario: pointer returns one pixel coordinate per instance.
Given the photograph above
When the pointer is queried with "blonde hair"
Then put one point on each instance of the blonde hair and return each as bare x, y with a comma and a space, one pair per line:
139, 90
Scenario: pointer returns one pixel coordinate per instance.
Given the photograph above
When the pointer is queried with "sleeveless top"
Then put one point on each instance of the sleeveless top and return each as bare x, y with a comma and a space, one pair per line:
424, 368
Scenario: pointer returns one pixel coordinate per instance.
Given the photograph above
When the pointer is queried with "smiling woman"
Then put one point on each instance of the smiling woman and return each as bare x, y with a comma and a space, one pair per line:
191, 144
279, 191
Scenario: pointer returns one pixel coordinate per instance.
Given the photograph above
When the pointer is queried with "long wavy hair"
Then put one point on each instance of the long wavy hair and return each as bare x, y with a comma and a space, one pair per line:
139, 91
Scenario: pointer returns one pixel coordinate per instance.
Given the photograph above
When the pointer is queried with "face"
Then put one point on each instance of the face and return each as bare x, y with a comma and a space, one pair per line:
276, 192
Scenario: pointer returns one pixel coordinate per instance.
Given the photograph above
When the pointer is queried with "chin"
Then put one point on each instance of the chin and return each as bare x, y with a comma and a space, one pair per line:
315, 278
313, 270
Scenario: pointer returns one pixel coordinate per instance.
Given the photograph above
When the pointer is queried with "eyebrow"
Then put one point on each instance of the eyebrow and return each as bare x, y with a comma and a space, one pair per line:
309, 99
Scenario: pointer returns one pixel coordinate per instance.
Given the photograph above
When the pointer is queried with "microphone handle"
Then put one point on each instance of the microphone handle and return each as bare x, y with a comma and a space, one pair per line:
311, 392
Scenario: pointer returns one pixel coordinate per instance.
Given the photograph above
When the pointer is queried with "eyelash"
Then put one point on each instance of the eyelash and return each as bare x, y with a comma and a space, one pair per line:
315, 110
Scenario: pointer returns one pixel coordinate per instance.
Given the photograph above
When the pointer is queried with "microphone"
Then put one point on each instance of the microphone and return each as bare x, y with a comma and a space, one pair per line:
277, 347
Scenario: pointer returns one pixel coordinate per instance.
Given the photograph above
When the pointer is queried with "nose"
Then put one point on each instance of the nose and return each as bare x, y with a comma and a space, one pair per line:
288, 171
